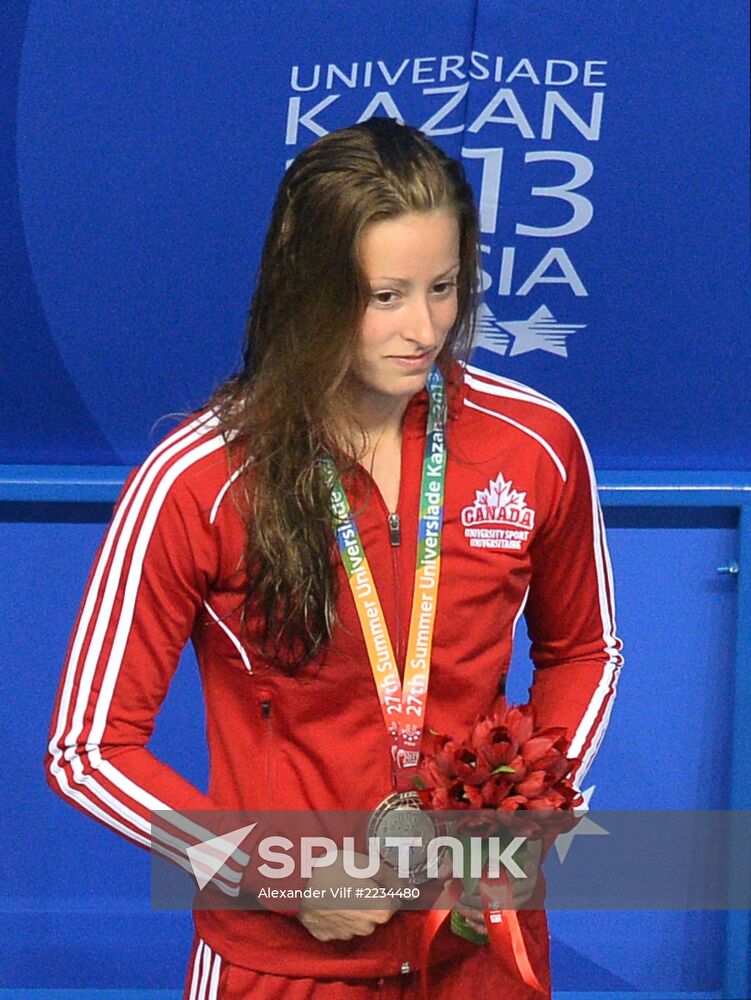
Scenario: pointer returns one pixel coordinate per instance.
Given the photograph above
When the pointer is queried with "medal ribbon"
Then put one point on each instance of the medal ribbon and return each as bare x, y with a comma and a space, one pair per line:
503, 928
403, 708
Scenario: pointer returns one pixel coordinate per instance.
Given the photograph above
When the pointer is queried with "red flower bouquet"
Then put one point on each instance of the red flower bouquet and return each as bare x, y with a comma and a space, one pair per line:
504, 765
521, 778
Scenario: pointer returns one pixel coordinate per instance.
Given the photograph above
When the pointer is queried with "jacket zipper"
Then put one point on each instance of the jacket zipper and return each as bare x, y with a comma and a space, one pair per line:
395, 529
395, 536
269, 737
393, 521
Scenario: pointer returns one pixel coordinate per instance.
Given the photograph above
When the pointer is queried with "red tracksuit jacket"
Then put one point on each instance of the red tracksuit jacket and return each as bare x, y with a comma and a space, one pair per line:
523, 534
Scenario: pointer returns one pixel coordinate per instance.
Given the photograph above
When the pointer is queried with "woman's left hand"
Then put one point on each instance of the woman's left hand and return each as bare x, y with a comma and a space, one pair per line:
521, 889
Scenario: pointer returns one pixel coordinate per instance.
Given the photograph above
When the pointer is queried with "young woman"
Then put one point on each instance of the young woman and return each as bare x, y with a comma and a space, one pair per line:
351, 397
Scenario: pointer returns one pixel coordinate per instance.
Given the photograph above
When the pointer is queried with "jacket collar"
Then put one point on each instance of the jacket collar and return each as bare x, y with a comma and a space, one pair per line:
416, 414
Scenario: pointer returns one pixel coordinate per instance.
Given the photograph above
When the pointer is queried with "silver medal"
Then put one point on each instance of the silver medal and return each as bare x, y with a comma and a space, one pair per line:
400, 815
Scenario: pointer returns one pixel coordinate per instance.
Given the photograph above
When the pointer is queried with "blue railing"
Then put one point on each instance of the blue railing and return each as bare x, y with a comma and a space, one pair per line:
93, 484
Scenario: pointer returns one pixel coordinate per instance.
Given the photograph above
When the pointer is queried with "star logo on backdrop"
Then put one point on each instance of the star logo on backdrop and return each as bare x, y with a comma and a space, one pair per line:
490, 334
541, 332
584, 828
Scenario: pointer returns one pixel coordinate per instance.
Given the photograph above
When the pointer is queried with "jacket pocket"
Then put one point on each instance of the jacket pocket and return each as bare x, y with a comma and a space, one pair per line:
267, 768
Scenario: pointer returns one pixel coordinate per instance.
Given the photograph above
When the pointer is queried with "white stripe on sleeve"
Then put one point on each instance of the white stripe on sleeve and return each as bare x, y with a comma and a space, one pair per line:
606, 687
124, 539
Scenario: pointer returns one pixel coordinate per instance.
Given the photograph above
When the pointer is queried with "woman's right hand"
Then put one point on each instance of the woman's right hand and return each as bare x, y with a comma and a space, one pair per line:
342, 924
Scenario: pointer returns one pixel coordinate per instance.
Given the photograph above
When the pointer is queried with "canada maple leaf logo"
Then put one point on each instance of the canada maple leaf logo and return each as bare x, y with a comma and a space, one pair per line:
500, 493
499, 503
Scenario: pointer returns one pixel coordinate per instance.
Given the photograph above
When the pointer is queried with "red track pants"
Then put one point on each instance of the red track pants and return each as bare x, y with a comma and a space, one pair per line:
210, 977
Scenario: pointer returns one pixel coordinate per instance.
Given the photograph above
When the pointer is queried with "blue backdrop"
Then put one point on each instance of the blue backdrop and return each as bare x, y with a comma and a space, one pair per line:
607, 143
141, 147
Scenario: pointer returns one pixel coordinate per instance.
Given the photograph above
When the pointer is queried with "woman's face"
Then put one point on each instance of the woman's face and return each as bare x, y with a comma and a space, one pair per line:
411, 263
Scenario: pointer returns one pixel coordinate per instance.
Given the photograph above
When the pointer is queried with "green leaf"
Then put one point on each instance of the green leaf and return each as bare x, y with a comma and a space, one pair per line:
503, 769
469, 883
461, 928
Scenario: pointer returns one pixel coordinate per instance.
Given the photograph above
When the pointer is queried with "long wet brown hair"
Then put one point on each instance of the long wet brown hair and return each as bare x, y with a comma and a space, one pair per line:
284, 407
